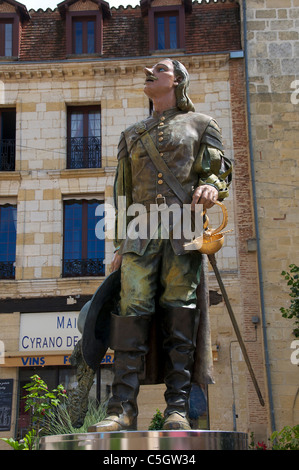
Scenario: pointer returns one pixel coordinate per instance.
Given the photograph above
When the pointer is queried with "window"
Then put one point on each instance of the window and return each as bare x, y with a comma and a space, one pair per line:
166, 27
84, 36
84, 32
9, 35
84, 25
6, 39
84, 253
167, 31
8, 222
7, 139
84, 137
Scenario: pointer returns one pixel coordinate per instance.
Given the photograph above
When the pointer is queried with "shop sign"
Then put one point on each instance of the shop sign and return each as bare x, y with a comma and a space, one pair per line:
48, 331
48, 360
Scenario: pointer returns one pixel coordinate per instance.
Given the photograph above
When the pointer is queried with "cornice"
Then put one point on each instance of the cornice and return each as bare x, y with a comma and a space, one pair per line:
89, 69
83, 173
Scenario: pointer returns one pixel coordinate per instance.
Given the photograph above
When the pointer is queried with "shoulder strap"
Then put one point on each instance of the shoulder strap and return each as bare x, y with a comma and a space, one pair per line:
141, 132
161, 166
141, 128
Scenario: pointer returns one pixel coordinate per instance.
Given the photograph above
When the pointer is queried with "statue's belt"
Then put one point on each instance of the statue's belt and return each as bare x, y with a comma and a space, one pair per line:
162, 202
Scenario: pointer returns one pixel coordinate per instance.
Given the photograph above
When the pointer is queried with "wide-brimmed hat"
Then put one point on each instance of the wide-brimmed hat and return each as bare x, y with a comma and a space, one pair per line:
94, 320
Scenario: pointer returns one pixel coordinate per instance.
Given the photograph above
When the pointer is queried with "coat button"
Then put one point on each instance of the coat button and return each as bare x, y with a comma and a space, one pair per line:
160, 139
160, 175
160, 181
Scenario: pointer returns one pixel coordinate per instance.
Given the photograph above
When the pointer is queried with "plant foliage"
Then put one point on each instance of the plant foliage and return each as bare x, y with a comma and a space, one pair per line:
40, 403
286, 439
292, 279
60, 422
157, 421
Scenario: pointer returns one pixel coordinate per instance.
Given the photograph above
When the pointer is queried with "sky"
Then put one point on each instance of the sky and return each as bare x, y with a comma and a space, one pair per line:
44, 4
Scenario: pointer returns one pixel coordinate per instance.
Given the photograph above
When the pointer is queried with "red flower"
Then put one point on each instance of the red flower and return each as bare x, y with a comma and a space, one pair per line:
261, 446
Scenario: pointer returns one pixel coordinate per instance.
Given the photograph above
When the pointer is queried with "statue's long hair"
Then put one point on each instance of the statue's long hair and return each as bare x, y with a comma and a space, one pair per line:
183, 101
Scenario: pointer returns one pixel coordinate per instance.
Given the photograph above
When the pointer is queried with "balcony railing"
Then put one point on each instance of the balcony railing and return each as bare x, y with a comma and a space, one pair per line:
7, 154
7, 269
84, 152
83, 267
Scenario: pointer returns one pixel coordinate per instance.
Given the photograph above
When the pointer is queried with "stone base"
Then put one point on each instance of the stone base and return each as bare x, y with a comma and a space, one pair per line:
148, 440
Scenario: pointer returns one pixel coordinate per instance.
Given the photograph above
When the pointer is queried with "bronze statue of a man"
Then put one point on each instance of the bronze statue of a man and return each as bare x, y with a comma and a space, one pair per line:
158, 275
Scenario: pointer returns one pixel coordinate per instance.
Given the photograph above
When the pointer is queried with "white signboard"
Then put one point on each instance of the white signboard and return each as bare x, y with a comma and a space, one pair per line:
48, 331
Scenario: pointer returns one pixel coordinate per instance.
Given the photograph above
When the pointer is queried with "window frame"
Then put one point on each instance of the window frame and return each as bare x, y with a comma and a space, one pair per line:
85, 110
74, 16
9, 265
9, 18
84, 235
153, 13
166, 17
84, 20
10, 164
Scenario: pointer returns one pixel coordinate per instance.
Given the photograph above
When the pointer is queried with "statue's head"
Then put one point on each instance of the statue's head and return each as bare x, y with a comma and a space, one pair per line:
181, 92
164, 78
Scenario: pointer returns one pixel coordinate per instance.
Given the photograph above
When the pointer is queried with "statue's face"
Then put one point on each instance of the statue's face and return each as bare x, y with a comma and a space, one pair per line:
159, 79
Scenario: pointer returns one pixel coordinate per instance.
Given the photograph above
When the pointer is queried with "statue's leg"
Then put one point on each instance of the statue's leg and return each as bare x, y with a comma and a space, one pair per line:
179, 320
179, 327
129, 340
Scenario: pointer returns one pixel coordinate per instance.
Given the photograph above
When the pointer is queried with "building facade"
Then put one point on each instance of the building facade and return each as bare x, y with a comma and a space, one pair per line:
71, 80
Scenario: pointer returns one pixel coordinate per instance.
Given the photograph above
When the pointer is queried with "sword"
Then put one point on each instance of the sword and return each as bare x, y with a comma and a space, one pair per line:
212, 260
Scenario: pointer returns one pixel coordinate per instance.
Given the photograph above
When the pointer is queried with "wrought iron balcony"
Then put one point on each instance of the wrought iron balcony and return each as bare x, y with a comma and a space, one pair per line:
7, 154
83, 267
7, 269
84, 152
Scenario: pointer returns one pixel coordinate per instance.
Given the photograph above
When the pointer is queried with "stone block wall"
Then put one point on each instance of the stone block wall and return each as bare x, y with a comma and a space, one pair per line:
273, 51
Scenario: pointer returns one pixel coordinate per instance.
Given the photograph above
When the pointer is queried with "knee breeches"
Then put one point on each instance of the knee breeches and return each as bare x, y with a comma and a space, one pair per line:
158, 275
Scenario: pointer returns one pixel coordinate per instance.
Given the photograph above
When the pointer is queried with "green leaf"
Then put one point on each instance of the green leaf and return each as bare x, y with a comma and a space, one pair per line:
14, 444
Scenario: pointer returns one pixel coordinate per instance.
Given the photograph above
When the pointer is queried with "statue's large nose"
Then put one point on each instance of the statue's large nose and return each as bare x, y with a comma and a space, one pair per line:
147, 71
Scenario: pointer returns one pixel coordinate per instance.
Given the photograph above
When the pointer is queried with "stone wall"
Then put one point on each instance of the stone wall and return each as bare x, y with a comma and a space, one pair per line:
273, 45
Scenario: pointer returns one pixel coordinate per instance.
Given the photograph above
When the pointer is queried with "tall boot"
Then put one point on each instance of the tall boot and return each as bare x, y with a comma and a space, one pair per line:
129, 339
179, 327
